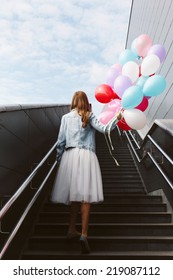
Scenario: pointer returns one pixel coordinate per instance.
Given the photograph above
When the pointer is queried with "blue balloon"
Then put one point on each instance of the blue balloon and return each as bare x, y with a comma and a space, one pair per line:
132, 97
127, 55
141, 81
154, 86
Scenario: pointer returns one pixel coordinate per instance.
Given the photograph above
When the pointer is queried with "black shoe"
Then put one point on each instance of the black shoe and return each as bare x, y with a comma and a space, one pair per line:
85, 249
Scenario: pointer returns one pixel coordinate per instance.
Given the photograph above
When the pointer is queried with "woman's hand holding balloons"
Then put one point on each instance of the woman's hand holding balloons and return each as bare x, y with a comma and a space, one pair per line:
119, 116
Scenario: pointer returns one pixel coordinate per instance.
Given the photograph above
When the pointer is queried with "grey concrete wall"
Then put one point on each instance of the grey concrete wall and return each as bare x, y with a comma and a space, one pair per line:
155, 18
26, 135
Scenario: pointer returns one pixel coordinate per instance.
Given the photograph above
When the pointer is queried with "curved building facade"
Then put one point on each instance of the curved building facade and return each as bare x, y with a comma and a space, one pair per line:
155, 18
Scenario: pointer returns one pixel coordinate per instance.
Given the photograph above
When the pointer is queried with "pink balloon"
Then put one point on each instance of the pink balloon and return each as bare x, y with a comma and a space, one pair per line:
113, 73
114, 106
143, 43
106, 116
143, 105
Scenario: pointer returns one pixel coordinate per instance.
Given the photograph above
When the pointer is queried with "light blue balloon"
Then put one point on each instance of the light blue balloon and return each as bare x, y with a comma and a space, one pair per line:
132, 97
126, 55
141, 81
154, 86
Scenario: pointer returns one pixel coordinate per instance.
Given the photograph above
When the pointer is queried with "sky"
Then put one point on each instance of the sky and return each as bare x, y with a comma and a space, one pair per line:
51, 48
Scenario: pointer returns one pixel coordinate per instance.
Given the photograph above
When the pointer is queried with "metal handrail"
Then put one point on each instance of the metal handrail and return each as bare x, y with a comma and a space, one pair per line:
160, 169
154, 143
14, 232
25, 184
160, 149
134, 140
131, 145
150, 155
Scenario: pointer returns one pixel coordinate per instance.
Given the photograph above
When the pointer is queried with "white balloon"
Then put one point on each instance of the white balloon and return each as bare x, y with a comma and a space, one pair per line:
150, 65
135, 118
131, 70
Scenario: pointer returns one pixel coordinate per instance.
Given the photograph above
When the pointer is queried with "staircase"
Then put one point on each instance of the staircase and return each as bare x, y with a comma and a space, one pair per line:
130, 224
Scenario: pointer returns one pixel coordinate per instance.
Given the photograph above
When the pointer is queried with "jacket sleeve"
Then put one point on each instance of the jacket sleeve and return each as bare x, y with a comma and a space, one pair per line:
99, 126
61, 140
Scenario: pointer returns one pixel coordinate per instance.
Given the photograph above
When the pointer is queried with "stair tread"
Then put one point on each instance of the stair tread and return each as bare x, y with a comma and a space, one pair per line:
119, 204
137, 195
101, 253
127, 237
112, 224
116, 213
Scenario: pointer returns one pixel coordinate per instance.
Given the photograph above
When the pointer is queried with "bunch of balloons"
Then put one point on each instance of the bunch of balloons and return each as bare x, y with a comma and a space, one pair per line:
131, 83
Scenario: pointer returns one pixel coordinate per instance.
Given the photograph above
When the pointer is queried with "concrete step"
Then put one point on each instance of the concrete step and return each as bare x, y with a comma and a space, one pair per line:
107, 207
101, 243
132, 198
111, 217
119, 169
97, 255
120, 174
122, 188
129, 180
107, 229
128, 198
107, 160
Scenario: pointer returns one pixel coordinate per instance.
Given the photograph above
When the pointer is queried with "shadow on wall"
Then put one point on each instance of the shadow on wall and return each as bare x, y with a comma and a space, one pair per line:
26, 135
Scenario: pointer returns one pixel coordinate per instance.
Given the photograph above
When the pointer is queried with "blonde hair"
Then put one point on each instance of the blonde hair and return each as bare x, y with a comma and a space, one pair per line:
81, 104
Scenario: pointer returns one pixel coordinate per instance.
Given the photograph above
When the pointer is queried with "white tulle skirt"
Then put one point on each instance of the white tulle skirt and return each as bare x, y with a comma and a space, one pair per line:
78, 178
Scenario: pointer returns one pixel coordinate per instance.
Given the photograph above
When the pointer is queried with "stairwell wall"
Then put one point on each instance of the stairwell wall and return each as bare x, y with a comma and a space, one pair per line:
27, 132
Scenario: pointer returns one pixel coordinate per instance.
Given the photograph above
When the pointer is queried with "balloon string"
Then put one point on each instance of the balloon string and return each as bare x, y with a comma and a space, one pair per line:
111, 152
109, 143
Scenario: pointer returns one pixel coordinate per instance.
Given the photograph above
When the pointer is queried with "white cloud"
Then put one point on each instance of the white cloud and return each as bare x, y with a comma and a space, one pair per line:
48, 48
97, 73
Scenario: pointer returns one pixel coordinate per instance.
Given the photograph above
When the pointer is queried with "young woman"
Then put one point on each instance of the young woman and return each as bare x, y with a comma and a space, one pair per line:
78, 181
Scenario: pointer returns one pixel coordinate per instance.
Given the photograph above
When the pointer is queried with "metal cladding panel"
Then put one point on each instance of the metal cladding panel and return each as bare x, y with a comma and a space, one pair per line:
52, 117
38, 118
170, 113
10, 121
155, 18
13, 152
10, 179
26, 135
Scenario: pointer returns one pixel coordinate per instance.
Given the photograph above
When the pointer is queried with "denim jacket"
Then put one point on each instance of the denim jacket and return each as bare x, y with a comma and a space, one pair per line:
72, 134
